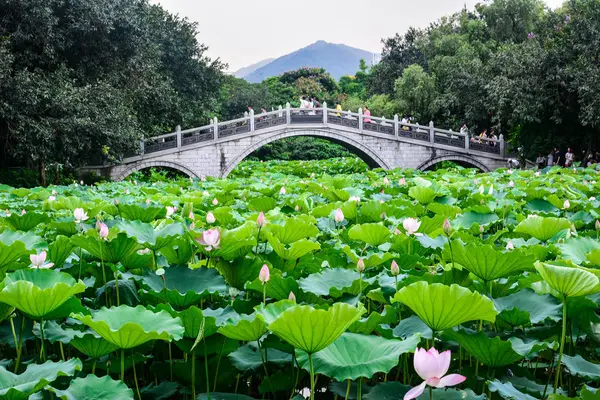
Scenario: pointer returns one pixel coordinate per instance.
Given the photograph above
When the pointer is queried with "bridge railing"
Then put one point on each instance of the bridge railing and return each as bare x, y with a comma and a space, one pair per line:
322, 116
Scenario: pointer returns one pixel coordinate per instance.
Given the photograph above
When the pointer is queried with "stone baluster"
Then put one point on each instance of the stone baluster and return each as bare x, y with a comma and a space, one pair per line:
325, 112
178, 132
431, 132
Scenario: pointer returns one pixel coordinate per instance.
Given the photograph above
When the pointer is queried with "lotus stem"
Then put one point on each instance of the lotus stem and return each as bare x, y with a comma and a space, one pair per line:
137, 388
104, 277
194, 373
295, 361
258, 239
62, 350
218, 365
170, 363
80, 261
409, 245
42, 349
123, 365
265, 368
451, 252
20, 345
264, 294
94, 367
117, 287
312, 377
430, 393
359, 390
562, 343
12, 327
237, 383
206, 370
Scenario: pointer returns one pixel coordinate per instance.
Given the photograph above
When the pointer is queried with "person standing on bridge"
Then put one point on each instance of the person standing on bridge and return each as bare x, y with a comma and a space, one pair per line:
338, 108
367, 114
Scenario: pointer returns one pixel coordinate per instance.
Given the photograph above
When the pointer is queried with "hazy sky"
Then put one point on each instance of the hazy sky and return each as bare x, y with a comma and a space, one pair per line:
244, 32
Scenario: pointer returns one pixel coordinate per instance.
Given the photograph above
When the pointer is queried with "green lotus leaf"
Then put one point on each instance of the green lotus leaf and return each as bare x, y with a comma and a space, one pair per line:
396, 391
92, 345
373, 234
541, 206
311, 330
333, 282
278, 288
422, 194
142, 212
411, 326
593, 257
128, 327
27, 221
247, 358
293, 251
531, 387
148, 236
538, 308
247, 328
38, 292
442, 307
60, 250
576, 249
353, 356
529, 348
488, 263
35, 378
543, 228
577, 365
5, 311
92, 388
263, 203
569, 281
371, 259
15, 245
271, 311
508, 391
292, 230
493, 352
468, 219
54, 332
184, 286
367, 325
194, 319
179, 253
111, 251
240, 270
236, 242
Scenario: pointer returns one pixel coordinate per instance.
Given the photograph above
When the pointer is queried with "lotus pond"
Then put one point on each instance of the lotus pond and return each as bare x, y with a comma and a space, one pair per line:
379, 285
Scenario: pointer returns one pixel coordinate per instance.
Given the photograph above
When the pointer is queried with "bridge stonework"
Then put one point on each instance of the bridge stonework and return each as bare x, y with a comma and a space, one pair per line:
217, 149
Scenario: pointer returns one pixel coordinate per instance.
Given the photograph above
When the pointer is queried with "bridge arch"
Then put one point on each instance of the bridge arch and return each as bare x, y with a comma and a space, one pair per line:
458, 158
364, 152
150, 164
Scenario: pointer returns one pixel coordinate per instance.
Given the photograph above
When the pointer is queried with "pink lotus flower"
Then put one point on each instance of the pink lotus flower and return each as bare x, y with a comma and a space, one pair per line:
431, 366
510, 246
360, 265
511, 184
386, 181
23, 212
210, 239
402, 181
282, 190
411, 226
395, 269
215, 201
447, 227
264, 275
538, 173
339, 215
260, 221
80, 215
126, 191
210, 218
39, 261
292, 297
103, 231
170, 211
51, 198
7, 213
147, 201
54, 192
191, 215
597, 225
566, 205
354, 198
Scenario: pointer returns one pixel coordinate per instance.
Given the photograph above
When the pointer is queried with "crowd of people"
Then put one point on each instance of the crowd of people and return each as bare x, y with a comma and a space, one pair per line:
557, 158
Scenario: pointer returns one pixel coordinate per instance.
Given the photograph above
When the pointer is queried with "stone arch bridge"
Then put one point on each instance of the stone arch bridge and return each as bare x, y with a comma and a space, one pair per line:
216, 149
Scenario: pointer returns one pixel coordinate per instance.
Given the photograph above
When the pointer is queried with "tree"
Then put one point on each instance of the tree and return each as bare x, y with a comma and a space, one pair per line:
416, 93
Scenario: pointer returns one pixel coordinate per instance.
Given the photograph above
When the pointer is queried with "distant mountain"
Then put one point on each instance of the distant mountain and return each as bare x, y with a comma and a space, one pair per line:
244, 72
337, 59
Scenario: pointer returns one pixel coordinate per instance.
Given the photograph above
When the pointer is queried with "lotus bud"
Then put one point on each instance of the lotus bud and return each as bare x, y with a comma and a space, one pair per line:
192, 226
360, 265
597, 225
54, 192
292, 297
510, 246
481, 189
538, 173
264, 275
210, 218
509, 171
475, 182
81, 183
147, 201
260, 221
339, 215
134, 182
282, 190
51, 198
386, 181
160, 272
491, 191
103, 231
395, 269
397, 231
215, 201
511, 184
447, 227
297, 208
205, 194
126, 191
23, 212
566, 204
191, 215
402, 181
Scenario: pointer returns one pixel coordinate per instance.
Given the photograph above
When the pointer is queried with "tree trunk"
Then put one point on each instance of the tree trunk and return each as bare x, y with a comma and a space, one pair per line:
56, 180
42, 173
